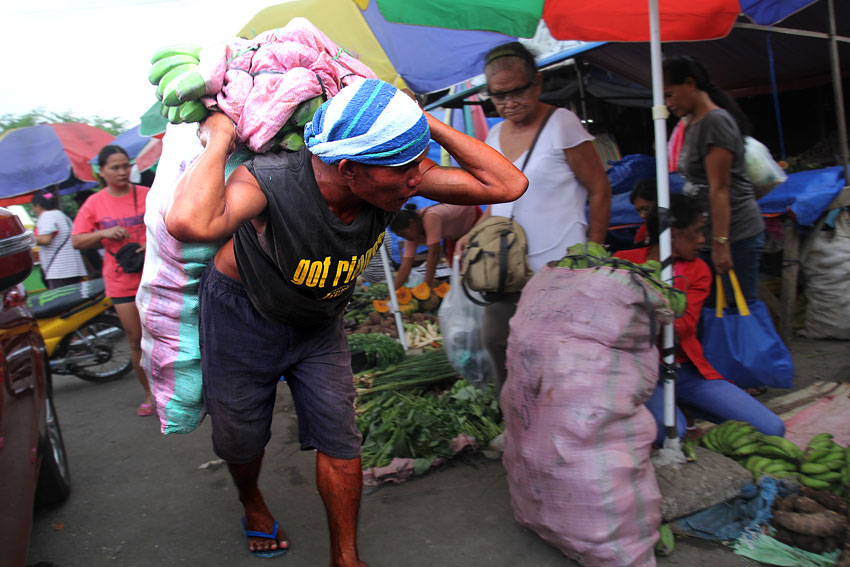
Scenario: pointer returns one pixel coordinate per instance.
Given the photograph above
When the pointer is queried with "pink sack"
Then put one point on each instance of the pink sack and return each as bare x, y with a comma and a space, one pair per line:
581, 363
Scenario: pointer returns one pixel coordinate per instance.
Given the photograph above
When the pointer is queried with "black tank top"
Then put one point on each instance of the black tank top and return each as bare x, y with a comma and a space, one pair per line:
301, 271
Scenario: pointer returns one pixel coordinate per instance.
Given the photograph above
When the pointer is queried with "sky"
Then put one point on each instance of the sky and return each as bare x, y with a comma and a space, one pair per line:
92, 57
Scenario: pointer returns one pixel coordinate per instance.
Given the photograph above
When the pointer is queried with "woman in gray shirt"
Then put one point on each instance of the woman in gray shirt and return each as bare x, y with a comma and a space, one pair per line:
712, 162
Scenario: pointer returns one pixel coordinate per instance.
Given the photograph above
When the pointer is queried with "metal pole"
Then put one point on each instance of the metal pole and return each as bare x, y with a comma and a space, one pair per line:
580, 79
838, 91
385, 260
659, 117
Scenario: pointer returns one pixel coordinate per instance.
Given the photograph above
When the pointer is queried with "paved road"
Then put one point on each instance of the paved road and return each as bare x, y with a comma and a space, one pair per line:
140, 499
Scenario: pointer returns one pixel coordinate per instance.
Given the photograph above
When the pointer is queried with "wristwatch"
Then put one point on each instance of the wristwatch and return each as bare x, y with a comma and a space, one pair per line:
721, 239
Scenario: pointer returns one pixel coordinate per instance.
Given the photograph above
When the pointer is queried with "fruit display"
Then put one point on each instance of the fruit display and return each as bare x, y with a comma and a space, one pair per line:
824, 465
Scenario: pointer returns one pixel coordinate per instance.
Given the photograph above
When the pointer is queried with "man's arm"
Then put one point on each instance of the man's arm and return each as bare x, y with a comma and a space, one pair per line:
203, 208
586, 165
485, 175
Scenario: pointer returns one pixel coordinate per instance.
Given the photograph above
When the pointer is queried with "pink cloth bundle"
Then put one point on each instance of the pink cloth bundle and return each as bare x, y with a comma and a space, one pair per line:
262, 81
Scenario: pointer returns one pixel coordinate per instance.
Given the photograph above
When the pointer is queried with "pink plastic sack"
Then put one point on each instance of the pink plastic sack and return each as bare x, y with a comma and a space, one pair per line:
581, 363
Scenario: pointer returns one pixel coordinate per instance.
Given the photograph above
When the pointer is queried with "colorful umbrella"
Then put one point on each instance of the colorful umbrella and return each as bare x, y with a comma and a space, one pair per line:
421, 58
36, 157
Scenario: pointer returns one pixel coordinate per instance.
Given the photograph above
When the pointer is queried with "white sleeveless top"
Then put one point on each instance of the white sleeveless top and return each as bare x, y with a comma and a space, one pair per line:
552, 210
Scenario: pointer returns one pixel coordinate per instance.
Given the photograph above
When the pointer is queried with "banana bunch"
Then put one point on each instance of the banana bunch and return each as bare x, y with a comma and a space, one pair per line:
735, 439
826, 465
291, 136
777, 457
179, 84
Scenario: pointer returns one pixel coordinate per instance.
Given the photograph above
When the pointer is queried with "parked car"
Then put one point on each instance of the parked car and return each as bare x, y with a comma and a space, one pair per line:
33, 464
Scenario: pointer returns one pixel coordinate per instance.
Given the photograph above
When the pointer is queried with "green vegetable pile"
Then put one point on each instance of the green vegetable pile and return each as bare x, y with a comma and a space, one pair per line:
380, 350
400, 414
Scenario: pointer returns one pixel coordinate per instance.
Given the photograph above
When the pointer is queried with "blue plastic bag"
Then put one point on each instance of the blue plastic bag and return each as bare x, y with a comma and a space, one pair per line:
742, 344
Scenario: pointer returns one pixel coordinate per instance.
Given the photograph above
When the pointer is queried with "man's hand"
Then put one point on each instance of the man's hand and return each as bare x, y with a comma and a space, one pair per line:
721, 257
218, 126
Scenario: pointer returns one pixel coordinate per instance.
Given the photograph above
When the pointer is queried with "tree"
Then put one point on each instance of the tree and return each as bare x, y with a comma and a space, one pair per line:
40, 115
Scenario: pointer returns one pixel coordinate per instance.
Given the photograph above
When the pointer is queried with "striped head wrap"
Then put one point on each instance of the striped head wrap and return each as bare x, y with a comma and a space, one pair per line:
369, 122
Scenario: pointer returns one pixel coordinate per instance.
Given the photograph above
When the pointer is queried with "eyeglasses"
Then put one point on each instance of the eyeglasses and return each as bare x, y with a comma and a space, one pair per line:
518, 93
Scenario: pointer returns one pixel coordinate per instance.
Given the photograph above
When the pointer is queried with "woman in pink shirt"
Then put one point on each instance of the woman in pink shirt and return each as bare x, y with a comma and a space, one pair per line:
112, 218
431, 226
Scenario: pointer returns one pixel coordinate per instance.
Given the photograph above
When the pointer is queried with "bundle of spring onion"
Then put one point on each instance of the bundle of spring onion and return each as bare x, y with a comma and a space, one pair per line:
399, 418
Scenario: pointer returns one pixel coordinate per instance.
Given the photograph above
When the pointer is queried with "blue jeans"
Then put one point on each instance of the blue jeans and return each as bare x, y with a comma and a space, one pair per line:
746, 255
712, 400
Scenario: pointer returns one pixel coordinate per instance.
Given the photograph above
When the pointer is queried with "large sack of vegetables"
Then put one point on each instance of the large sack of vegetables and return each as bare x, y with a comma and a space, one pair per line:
167, 297
582, 360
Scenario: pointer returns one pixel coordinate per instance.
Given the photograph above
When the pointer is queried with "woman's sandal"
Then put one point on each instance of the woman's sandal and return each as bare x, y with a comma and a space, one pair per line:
145, 409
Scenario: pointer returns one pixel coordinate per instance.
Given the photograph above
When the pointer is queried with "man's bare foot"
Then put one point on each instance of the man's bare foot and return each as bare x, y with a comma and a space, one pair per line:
262, 522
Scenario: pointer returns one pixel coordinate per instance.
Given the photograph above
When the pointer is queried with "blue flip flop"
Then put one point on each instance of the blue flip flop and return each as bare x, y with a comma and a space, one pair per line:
259, 553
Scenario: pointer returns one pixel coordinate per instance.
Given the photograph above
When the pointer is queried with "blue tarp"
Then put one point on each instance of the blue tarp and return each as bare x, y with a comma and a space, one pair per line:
806, 194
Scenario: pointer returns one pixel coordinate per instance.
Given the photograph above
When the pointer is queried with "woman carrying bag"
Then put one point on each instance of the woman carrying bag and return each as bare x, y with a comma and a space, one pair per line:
700, 388
556, 154
114, 218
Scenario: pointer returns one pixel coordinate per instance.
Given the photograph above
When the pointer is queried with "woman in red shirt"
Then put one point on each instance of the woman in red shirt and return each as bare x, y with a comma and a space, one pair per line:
112, 218
699, 387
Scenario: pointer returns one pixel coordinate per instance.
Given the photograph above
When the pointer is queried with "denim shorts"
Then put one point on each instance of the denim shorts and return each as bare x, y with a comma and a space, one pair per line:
244, 355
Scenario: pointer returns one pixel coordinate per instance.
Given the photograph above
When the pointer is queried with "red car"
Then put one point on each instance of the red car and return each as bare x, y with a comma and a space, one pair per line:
33, 465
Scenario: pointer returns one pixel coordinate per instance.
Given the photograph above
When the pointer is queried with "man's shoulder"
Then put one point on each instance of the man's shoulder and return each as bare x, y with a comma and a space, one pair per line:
280, 159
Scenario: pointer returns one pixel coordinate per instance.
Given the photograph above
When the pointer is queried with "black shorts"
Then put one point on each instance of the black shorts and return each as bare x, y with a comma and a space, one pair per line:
244, 355
120, 300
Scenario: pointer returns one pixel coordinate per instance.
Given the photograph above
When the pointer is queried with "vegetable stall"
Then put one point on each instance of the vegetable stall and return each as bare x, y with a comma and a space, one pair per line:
412, 408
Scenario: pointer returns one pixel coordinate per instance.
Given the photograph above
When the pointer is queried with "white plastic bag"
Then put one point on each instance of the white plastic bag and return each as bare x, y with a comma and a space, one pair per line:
460, 326
764, 173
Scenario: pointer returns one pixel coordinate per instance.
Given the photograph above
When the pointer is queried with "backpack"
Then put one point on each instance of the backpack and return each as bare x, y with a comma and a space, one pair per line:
495, 260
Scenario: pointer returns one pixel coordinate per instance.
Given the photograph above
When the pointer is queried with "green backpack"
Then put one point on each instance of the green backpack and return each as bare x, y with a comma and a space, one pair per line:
495, 259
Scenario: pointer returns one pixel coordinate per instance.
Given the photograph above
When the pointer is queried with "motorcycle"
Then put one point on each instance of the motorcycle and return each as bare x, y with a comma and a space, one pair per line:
82, 332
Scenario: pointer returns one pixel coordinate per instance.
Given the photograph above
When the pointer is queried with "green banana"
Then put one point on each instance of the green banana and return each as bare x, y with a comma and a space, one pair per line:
813, 482
163, 110
163, 66
739, 432
169, 78
834, 464
192, 111
169, 93
745, 450
817, 455
191, 86
292, 142
784, 474
813, 468
744, 440
772, 451
787, 446
780, 464
174, 114
305, 111
820, 437
707, 442
830, 476
823, 444
170, 50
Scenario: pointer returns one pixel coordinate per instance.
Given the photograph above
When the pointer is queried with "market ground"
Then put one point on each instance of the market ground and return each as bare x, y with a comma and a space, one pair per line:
141, 499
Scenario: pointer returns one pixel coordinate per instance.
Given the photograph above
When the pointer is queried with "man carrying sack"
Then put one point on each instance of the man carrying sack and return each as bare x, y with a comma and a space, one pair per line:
304, 226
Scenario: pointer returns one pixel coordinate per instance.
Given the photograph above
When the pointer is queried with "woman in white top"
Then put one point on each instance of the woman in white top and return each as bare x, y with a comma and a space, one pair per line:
61, 264
564, 172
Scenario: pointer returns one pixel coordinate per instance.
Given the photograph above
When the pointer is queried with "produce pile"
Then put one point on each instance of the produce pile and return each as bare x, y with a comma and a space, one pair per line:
380, 350
180, 86
824, 465
815, 521
369, 312
416, 408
